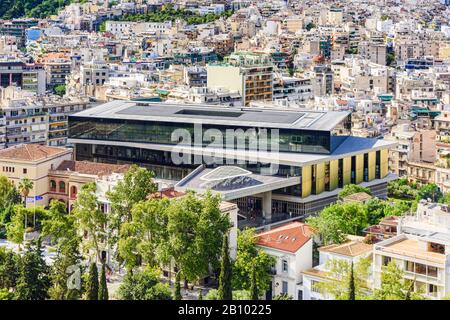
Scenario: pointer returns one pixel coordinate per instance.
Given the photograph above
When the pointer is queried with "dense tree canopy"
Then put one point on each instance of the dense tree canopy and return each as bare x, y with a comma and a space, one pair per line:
90, 218
9, 197
168, 13
335, 222
135, 187
144, 285
195, 228
10, 9
250, 258
33, 279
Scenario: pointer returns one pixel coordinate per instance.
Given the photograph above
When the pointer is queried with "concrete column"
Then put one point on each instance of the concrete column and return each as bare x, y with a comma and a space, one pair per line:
267, 204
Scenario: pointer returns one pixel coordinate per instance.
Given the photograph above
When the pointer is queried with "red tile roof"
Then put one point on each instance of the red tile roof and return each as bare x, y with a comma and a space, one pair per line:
94, 168
290, 237
341, 102
30, 152
351, 248
168, 193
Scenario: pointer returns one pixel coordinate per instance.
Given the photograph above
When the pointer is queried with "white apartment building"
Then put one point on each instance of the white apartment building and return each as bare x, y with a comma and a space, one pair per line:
421, 250
121, 28
94, 73
292, 89
292, 246
350, 251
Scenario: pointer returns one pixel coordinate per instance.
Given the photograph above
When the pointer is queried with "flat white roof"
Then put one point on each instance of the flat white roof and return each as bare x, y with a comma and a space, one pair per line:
207, 114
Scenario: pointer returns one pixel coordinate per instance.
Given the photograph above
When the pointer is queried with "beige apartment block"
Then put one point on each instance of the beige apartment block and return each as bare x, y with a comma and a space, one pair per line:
413, 146
249, 74
423, 259
32, 161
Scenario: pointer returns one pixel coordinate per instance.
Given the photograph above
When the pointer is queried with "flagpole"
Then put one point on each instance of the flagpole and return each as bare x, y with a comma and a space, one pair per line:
26, 214
34, 214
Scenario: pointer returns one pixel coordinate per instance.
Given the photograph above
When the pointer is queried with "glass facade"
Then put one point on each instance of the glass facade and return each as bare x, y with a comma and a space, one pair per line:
161, 161
288, 140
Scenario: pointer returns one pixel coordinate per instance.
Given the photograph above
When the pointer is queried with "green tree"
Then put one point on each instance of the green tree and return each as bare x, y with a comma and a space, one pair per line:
429, 191
375, 211
63, 272
310, 26
60, 226
195, 229
390, 58
254, 286
25, 186
9, 197
394, 286
143, 285
102, 27
200, 294
60, 90
351, 284
103, 288
249, 258
177, 287
237, 295
90, 218
9, 268
401, 189
24, 220
33, 280
338, 286
335, 222
136, 186
352, 189
282, 296
92, 292
225, 289
140, 238
5, 294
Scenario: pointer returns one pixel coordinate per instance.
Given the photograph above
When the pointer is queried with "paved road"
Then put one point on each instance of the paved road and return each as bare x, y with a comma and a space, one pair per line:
48, 255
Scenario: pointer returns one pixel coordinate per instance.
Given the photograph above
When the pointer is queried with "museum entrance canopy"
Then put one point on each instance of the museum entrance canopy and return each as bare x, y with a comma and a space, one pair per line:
233, 182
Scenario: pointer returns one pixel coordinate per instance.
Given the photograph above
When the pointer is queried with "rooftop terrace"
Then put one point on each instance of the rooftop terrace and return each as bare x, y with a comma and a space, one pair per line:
247, 117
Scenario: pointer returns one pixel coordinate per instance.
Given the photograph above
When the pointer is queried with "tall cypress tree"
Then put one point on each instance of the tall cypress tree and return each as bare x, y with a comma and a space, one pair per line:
92, 283
254, 286
64, 279
103, 289
177, 287
33, 281
200, 295
351, 284
225, 290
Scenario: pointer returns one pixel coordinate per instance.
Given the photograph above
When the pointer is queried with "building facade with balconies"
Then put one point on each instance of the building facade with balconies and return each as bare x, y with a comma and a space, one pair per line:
250, 74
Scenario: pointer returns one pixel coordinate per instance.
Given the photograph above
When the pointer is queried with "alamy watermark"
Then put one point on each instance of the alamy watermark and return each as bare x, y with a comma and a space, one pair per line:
234, 146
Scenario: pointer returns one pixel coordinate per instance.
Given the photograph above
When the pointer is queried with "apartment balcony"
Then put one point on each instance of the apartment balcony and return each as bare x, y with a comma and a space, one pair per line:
64, 120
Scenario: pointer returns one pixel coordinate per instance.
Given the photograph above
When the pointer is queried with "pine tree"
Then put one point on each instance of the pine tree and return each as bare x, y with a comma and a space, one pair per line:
33, 281
177, 287
66, 285
103, 289
9, 270
351, 284
254, 286
410, 290
225, 289
92, 283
